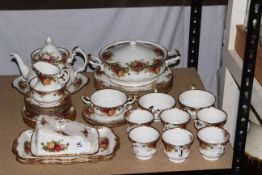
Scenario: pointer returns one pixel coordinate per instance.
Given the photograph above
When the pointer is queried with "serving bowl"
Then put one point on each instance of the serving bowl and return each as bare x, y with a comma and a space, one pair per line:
134, 63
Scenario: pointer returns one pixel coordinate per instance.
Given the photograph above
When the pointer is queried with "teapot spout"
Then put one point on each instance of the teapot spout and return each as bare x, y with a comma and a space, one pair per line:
22, 67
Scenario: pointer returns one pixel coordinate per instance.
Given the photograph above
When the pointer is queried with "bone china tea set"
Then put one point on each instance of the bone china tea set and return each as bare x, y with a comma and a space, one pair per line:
132, 79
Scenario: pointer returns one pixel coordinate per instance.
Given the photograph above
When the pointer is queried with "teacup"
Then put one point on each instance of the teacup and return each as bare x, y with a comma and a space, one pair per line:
156, 102
212, 142
136, 117
144, 140
109, 102
210, 116
177, 143
193, 100
174, 117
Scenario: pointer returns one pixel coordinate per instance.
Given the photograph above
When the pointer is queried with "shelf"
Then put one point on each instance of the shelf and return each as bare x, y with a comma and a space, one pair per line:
11, 103
233, 62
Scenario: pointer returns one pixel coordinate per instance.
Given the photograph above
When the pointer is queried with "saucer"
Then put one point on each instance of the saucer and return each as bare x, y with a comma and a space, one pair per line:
30, 118
91, 117
108, 145
22, 85
163, 83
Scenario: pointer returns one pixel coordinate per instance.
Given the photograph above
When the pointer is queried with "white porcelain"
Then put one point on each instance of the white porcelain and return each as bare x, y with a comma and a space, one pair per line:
94, 119
193, 100
54, 55
136, 117
108, 102
177, 143
134, 62
22, 85
144, 140
174, 117
54, 136
212, 142
162, 84
106, 149
156, 102
210, 116
49, 77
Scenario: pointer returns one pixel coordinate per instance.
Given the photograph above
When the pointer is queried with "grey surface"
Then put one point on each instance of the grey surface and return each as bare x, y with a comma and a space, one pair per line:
24, 31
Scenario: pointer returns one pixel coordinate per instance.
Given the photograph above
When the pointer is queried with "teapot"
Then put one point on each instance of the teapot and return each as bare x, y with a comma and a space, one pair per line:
54, 55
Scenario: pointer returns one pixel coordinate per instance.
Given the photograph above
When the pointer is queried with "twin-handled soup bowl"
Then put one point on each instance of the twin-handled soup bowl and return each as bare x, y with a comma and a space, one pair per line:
212, 142
193, 100
174, 118
134, 62
210, 116
177, 143
156, 102
109, 102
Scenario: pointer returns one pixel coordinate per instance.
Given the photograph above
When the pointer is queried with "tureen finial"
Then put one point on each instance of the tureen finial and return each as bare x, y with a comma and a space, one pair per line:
48, 40
133, 43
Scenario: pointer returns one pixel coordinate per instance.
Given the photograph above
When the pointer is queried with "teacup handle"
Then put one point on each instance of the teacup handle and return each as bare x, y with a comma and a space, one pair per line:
221, 148
86, 100
172, 57
130, 101
156, 112
77, 50
96, 63
199, 124
63, 76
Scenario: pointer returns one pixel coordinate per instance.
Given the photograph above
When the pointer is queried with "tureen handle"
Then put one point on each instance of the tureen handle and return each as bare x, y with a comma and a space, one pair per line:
78, 51
172, 57
96, 63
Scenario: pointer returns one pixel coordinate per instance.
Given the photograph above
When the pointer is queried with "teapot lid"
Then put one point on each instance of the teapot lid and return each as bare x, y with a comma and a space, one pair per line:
49, 52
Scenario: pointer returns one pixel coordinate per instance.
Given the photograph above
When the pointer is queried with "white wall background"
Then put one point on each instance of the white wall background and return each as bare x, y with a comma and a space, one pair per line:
24, 31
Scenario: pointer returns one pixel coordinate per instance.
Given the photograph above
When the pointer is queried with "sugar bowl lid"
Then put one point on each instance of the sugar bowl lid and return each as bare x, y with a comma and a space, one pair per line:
49, 52
125, 52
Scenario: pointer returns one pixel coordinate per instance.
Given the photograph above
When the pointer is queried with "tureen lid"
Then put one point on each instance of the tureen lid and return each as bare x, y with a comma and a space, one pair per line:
49, 52
128, 52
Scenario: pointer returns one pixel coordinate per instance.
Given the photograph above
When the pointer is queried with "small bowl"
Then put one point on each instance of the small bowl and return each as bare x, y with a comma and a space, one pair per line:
174, 117
109, 102
144, 140
156, 103
177, 143
136, 117
212, 142
210, 116
193, 100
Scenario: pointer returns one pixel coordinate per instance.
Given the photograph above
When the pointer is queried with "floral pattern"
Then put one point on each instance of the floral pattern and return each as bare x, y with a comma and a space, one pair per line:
27, 147
77, 82
54, 146
50, 58
103, 143
138, 66
118, 70
45, 80
108, 111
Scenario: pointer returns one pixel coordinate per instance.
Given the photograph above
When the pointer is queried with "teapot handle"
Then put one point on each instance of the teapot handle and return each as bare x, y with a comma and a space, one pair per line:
96, 63
77, 50
63, 76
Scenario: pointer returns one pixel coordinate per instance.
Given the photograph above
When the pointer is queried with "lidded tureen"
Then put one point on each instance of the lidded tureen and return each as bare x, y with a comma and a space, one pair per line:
134, 62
